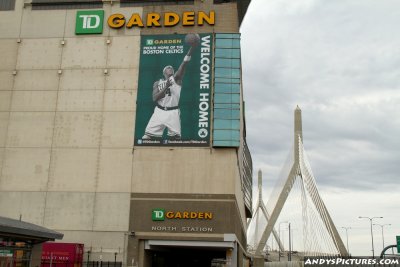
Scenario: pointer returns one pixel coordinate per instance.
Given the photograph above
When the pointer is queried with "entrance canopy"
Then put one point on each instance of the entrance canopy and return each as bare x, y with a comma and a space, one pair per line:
27, 232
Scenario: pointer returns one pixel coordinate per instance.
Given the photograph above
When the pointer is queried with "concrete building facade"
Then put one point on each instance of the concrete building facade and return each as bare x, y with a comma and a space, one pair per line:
67, 155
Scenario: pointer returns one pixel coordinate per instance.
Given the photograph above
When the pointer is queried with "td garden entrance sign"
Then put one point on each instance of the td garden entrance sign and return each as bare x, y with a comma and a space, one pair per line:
91, 21
174, 90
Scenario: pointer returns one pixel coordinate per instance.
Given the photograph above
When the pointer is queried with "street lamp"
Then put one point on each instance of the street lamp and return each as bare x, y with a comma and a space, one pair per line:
290, 247
372, 235
279, 250
383, 238
347, 238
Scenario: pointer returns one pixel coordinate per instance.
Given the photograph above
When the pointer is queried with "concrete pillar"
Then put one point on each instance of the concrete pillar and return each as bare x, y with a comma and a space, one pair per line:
233, 256
258, 262
36, 256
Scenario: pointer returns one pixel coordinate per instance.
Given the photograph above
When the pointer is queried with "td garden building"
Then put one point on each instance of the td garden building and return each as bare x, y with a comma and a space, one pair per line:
122, 126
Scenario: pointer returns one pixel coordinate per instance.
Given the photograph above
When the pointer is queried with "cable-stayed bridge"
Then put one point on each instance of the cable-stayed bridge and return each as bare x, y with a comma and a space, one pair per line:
319, 234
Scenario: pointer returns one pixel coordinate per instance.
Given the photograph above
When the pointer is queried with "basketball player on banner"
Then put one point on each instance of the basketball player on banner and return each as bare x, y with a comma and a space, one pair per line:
166, 95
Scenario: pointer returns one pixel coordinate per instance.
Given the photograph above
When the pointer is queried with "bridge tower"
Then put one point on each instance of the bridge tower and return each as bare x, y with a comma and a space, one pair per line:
260, 207
300, 169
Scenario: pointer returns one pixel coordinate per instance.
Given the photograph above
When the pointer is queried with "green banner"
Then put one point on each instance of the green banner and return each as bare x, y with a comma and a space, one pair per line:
174, 90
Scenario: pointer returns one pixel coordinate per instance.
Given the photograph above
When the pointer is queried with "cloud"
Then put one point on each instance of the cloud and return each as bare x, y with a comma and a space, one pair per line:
340, 62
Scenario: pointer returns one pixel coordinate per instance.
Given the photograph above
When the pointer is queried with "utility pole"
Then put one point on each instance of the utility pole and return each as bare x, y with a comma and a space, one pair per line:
283, 244
290, 247
383, 237
372, 235
347, 238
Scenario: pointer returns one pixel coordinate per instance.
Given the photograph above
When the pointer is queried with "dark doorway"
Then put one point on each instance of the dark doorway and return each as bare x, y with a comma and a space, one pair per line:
182, 257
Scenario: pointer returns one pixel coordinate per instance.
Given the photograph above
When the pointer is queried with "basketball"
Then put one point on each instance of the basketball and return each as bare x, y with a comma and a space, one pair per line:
192, 39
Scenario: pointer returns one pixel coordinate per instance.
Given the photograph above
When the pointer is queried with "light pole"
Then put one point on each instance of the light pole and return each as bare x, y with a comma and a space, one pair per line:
279, 249
372, 235
290, 247
383, 237
347, 238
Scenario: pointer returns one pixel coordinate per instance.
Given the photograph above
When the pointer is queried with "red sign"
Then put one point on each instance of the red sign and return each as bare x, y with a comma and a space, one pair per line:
71, 253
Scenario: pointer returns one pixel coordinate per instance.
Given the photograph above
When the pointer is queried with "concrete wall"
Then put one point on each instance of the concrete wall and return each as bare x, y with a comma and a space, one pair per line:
66, 127
177, 170
67, 111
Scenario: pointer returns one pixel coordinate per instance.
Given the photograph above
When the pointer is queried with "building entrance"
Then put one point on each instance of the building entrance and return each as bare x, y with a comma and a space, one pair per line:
184, 257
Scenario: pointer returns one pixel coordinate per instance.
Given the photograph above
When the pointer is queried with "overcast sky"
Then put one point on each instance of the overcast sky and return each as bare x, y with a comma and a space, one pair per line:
339, 61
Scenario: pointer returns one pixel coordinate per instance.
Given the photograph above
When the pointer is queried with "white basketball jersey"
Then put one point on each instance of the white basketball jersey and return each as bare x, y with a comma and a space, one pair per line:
172, 94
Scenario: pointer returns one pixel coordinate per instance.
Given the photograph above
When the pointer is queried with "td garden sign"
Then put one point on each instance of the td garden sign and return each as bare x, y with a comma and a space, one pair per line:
91, 21
163, 215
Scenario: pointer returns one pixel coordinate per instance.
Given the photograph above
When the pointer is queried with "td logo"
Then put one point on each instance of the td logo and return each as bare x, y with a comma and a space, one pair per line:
89, 22
158, 215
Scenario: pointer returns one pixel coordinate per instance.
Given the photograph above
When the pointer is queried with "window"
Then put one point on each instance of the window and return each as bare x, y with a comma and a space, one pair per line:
127, 3
227, 88
227, 75
222, 1
6, 5
66, 4
227, 63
